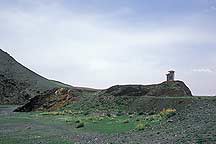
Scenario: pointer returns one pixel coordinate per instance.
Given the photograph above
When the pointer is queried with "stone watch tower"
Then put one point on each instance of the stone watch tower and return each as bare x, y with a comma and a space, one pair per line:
171, 76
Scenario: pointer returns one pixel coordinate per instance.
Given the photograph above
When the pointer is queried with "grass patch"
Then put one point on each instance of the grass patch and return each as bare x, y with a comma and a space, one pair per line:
97, 123
65, 112
167, 113
118, 124
140, 126
155, 119
52, 113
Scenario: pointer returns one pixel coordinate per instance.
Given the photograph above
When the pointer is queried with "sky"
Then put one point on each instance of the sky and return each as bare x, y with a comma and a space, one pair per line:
100, 43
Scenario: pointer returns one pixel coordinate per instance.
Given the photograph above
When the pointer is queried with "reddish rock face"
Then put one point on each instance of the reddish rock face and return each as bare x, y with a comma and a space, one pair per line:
51, 100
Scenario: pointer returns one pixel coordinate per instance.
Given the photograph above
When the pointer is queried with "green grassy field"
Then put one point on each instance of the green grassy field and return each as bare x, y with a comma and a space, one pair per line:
56, 127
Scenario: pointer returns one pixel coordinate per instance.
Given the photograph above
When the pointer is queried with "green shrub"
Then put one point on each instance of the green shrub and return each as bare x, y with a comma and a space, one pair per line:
101, 118
77, 121
112, 118
138, 119
126, 121
68, 111
80, 125
140, 126
109, 115
167, 113
68, 120
86, 113
141, 113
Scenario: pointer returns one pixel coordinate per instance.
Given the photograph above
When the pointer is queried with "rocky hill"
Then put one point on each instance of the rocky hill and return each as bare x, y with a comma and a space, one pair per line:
127, 97
168, 88
18, 84
145, 98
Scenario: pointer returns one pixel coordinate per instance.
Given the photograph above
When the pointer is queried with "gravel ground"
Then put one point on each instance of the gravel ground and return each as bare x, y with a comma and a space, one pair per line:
195, 124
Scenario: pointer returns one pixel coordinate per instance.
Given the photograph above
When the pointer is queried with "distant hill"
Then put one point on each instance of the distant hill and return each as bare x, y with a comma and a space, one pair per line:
18, 84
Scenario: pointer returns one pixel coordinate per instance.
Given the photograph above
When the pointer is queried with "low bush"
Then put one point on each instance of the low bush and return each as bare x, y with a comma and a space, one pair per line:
68, 120
138, 119
108, 114
86, 113
68, 111
156, 118
140, 126
80, 125
167, 113
141, 113
126, 121
77, 121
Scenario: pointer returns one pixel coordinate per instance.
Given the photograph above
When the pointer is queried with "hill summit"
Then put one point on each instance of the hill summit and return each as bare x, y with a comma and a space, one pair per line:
168, 88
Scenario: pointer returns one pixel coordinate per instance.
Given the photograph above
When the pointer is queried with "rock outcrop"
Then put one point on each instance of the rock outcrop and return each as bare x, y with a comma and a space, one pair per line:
146, 98
168, 88
51, 100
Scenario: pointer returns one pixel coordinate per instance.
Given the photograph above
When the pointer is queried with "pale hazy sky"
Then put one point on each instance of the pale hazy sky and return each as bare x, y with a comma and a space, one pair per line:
99, 43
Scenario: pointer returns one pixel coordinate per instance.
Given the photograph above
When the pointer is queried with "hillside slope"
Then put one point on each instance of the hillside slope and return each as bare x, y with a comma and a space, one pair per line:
18, 84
